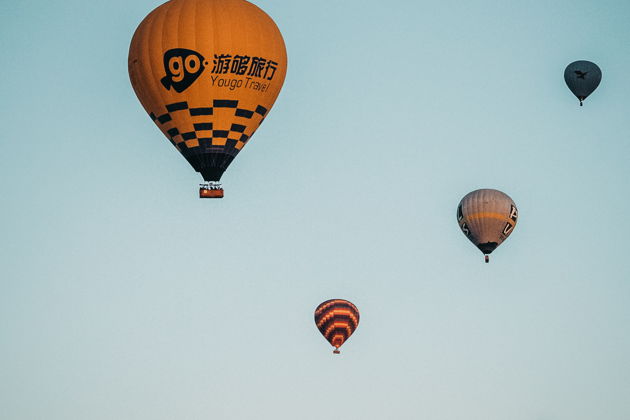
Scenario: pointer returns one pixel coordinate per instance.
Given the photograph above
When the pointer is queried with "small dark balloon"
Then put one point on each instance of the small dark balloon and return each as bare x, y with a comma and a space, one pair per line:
582, 78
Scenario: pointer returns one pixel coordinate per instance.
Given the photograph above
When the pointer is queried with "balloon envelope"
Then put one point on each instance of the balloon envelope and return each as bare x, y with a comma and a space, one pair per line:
582, 77
207, 72
487, 217
336, 319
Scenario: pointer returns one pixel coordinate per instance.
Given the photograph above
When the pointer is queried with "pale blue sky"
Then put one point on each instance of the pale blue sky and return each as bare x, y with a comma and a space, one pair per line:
123, 296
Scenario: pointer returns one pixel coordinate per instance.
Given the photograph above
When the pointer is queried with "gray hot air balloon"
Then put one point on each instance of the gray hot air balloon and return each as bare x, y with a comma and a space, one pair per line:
487, 217
582, 78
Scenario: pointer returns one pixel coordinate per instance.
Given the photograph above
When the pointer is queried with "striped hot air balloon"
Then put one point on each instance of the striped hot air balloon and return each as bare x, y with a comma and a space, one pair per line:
336, 319
487, 217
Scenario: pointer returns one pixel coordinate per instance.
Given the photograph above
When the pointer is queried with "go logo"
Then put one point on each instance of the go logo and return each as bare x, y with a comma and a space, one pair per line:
182, 67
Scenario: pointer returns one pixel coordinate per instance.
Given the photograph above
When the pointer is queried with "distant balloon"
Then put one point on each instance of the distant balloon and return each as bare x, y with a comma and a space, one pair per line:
582, 77
336, 319
487, 217
207, 72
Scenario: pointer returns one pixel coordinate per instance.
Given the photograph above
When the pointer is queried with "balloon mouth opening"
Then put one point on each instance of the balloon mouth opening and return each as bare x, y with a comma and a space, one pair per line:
488, 247
210, 189
210, 173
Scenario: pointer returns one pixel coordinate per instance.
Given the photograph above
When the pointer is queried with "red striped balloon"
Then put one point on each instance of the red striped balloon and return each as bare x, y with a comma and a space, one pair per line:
336, 319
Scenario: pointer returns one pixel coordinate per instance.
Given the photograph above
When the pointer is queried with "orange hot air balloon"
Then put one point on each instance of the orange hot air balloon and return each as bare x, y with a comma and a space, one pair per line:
207, 72
336, 319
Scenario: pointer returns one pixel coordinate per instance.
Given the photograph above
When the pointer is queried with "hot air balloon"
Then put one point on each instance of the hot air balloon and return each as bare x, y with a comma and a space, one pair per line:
487, 217
582, 77
336, 319
207, 72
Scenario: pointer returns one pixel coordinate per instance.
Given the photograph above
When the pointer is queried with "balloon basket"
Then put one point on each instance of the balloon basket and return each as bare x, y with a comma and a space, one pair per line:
336, 351
487, 258
210, 190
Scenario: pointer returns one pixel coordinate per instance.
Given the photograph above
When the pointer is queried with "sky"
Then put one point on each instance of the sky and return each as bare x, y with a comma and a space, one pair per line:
122, 295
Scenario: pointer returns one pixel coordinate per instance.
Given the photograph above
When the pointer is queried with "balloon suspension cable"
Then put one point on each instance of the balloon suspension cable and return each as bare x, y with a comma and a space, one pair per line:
336, 350
211, 185
487, 258
211, 189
